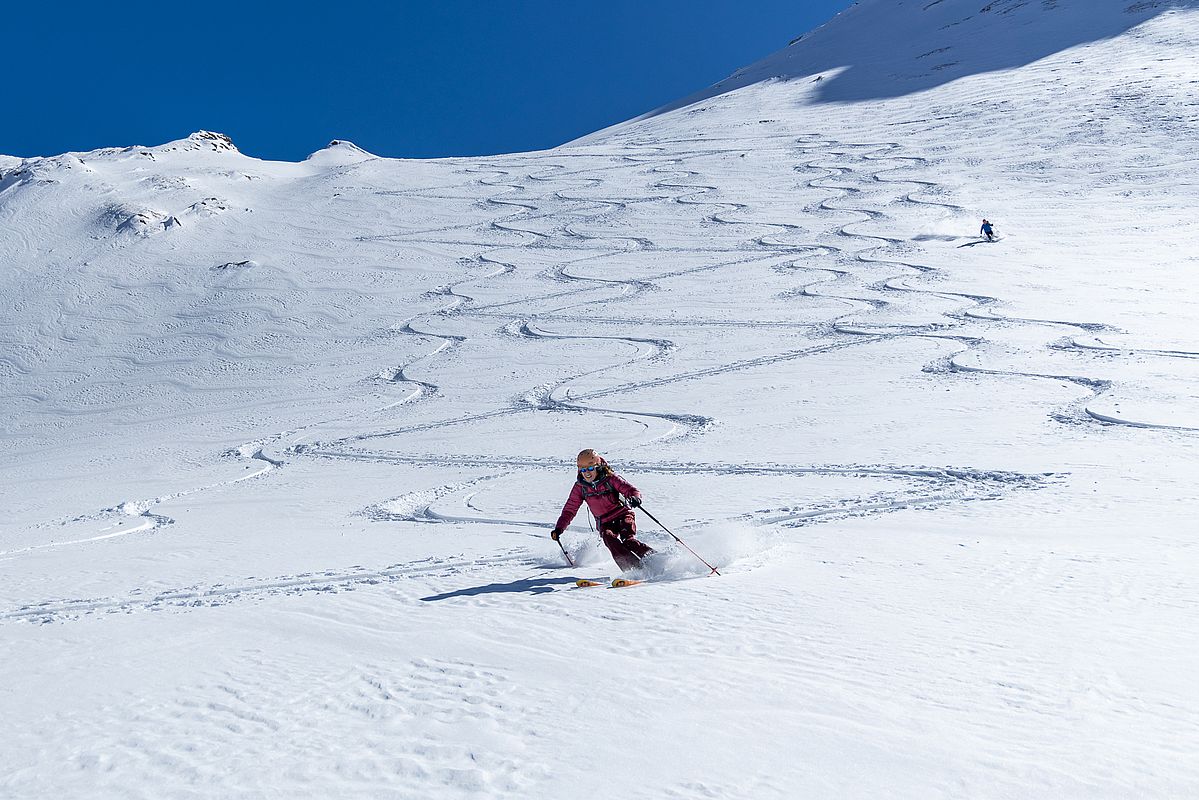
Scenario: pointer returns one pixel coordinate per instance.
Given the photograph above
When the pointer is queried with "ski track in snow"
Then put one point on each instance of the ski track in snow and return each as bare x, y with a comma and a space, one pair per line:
143, 519
849, 168
193, 597
928, 487
877, 152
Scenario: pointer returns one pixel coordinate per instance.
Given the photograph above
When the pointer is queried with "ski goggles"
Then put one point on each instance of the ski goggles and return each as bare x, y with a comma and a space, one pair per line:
592, 468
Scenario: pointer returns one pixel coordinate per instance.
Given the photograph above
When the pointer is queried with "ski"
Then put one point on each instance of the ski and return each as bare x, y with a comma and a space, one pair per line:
617, 583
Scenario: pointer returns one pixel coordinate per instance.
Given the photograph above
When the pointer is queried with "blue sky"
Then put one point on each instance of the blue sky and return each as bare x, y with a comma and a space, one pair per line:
412, 79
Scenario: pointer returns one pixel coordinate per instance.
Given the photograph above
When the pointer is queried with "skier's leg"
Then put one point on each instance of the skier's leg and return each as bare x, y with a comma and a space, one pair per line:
628, 535
639, 547
619, 536
624, 558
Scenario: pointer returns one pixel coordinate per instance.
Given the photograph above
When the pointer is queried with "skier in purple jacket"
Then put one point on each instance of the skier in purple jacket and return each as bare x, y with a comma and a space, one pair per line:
611, 500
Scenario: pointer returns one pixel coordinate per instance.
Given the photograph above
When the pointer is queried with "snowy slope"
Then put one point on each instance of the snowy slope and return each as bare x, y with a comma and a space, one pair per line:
880, 49
281, 443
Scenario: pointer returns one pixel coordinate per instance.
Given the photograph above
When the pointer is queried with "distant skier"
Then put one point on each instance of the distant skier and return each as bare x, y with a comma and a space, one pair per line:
611, 499
987, 230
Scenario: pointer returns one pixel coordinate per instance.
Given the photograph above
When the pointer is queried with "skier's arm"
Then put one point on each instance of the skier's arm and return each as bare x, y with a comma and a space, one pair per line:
570, 509
627, 489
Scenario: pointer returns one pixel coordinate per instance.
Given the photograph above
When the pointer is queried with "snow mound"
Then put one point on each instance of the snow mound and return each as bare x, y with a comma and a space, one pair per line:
43, 171
130, 220
248, 263
339, 152
208, 207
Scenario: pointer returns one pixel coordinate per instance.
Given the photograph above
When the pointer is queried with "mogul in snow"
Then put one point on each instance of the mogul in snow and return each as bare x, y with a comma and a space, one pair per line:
611, 500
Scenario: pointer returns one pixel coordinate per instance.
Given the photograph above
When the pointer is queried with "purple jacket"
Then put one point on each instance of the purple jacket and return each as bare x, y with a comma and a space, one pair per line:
601, 497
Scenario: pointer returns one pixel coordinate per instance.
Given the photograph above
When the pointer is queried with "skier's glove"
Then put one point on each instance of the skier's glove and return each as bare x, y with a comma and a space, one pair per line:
555, 533
633, 501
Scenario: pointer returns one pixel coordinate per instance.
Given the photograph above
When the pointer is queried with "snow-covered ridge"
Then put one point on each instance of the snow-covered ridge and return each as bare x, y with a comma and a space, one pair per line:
144, 191
200, 141
337, 152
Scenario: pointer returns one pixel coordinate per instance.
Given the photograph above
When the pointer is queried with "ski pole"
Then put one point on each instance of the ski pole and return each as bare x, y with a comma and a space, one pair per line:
569, 560
680, 541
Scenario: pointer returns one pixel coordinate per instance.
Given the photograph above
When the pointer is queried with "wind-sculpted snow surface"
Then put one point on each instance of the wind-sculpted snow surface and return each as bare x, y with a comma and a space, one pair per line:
279, 475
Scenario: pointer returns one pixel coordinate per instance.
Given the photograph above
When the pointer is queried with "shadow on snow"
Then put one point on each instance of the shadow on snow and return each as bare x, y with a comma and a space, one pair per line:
529, 585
